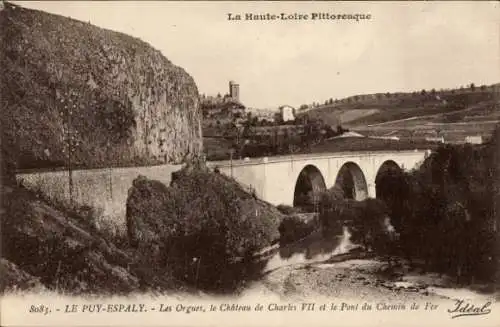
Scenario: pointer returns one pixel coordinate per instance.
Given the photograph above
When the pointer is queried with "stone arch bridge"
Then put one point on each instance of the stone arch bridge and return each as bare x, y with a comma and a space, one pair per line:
284, 179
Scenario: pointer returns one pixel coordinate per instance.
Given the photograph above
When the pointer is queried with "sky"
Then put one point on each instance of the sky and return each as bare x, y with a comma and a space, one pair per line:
403, 47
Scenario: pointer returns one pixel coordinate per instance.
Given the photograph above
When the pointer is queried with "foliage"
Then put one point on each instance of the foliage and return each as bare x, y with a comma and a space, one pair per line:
393, 188
203, 236
65, 253
258, 139
294, 228
287, 210
364, 218
447, 211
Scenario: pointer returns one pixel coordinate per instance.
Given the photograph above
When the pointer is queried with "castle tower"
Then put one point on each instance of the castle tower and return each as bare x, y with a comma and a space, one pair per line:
234, 90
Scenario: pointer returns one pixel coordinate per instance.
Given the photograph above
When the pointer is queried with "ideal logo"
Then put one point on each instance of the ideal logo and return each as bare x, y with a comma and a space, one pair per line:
463, 308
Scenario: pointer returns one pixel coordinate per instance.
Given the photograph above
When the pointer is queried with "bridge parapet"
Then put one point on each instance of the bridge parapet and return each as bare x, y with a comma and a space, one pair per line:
315, 156
275, 178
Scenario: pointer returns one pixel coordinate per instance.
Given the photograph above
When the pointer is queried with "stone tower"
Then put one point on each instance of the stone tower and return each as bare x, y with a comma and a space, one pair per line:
234, 90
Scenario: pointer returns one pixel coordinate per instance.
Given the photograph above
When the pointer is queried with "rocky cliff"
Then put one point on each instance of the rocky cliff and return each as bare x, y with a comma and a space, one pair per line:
107, 98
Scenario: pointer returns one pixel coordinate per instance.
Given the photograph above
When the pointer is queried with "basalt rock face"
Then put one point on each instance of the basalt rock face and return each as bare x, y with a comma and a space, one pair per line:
107, 98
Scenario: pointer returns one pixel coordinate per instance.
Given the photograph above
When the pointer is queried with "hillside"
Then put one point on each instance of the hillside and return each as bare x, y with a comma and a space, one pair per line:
345, 144
105, 97
54, 248
381, 114
454, 127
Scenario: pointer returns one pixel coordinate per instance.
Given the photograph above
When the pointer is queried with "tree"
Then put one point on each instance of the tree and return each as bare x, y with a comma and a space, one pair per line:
278, 118
448, 216
254, 121
472, 87
300, 120
178, 218
329, 132
286, 141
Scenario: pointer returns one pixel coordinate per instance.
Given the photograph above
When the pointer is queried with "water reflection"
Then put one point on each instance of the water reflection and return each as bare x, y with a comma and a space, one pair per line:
313, 248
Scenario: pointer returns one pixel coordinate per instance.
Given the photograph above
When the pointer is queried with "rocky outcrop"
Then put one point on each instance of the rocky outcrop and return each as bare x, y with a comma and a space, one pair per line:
156, 212
106, 97
207, 239
48, 247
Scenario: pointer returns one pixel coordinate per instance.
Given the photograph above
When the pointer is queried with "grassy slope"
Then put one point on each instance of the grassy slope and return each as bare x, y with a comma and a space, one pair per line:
380, 108
480, 119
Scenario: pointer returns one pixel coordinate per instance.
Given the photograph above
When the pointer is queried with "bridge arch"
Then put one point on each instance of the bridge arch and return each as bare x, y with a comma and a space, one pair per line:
392, 187
308, 187
386, 173
351, 180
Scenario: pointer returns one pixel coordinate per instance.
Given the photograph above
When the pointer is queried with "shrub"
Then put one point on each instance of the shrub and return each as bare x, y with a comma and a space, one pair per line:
367, 219
293, 228
331, 206
287, 210
63, 252
204, 225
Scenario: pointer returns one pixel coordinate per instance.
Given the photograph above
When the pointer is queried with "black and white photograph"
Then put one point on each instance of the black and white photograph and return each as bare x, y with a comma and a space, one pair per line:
249, 163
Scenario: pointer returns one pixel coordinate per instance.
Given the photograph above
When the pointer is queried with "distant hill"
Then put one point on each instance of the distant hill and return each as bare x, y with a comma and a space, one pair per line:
369, 109
452, 114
